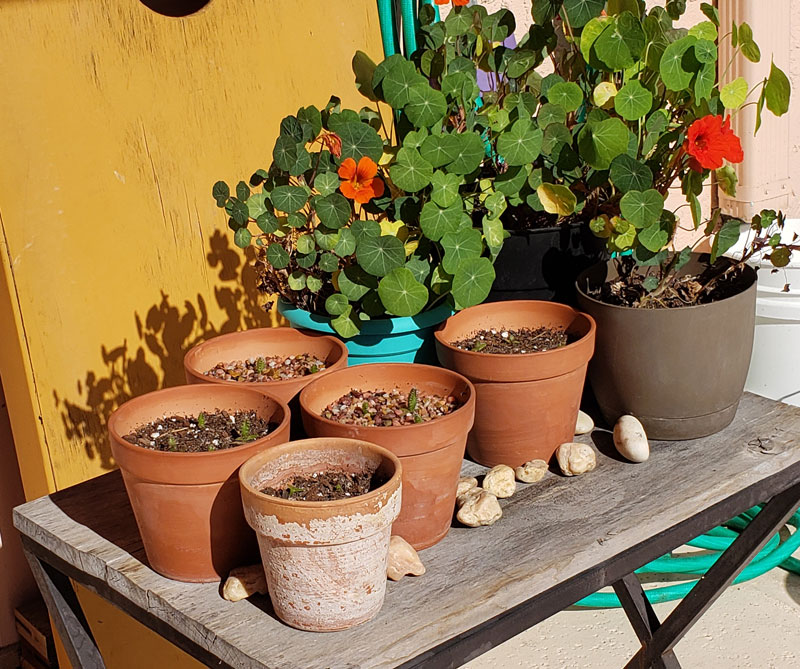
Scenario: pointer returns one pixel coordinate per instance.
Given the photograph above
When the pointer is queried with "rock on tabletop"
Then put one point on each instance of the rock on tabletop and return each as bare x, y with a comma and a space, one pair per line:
480, 509
532, 471
575, 458
466, 483
630, 439
500, 481
243, 582
403, 560
584, 424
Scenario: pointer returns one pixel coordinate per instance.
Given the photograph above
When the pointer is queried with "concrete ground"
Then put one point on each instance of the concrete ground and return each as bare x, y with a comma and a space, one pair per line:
755, 624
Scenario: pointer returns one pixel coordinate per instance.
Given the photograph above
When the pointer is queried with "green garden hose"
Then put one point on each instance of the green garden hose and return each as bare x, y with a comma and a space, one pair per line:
777, 553
390, 20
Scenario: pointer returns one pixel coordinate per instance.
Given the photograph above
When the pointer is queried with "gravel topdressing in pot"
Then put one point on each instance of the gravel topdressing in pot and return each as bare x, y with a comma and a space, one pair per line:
381, 408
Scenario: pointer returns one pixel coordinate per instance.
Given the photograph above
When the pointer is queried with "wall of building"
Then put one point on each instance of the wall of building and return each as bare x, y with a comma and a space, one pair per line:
16, 582
115, 122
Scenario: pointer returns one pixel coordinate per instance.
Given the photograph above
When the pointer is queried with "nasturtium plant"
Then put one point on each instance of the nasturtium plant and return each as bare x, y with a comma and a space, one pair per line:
380, 212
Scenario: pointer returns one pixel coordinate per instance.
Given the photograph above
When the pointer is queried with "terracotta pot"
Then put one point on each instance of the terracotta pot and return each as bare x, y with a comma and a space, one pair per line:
681, 371
431, 452
187, 505
527, 404
264, 342
325, 562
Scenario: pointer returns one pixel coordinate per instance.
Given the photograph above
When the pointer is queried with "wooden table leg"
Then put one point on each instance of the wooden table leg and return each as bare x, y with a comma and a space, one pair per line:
722, 573
67, 614
642, 616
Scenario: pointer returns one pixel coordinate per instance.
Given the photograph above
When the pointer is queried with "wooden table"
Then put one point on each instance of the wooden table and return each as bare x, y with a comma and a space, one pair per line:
558, 541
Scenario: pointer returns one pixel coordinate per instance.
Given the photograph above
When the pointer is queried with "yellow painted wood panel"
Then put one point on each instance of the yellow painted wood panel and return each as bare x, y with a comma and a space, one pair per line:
114, 123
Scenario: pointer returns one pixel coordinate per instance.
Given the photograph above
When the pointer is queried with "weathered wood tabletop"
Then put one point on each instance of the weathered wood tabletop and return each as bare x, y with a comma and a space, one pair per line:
558, 540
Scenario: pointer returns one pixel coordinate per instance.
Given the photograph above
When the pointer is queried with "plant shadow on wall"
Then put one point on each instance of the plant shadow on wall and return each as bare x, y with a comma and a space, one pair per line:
165, 332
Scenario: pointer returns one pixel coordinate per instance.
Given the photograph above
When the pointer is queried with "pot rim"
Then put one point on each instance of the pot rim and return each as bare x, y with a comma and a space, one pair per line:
523, 356
395, 428
193, 352
393, 325
753, 276
203, 390
256, 461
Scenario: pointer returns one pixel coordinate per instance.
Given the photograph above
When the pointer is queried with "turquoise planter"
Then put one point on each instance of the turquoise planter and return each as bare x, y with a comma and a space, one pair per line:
408, 339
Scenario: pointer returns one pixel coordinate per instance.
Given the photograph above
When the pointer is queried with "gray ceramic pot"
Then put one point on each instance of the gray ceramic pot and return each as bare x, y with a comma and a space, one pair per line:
681, 372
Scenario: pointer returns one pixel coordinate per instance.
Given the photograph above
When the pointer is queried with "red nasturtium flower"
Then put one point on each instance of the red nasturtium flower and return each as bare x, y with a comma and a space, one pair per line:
710, 141
360, 181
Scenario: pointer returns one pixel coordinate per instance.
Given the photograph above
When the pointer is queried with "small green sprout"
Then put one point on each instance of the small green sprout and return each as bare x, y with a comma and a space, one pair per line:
201, 421
245, 432
412, 400
479, 346
294, 490
314, 369
172, 443
261, 365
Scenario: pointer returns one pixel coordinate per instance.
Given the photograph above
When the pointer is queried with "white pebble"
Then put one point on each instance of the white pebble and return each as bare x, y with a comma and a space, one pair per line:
504, 334
499, 481
584, 424
155, 435
630, 439
575, 458
531, 471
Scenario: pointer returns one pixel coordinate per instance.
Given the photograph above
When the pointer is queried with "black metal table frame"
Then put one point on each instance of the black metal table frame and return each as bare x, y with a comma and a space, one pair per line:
780, 491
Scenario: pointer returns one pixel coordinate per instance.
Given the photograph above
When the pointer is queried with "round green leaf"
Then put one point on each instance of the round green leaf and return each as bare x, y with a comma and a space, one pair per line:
521, 144
436, 222
512, 180
781, 256
411, 172
734, 93
705, 30
326, 183
445, 188
359, 140
426, 106
642, 208
463, 244
601, 142
678, 65
380, 255
305, 244
333, 210
354, 283
621, 42
705, 51
629, 174
556, 135
267, 222
289, 199
398, 82
257, 205
556, 199
336, 304
306, 260
365, 228
242, 238
653, 237
657, 122
347, 325
520, 62
420, 268
580, 12
472, 282
296, 220
346, 246
439, 150
238, 211
326, 238
221, 192
468, 150
566, 94
551, 113
401, 293
589, 35
328, 262
277, 256
297, 280
633, 101
313, 283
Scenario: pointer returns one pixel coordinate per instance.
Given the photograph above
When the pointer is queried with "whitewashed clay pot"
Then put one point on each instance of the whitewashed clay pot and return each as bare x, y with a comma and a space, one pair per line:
325, 562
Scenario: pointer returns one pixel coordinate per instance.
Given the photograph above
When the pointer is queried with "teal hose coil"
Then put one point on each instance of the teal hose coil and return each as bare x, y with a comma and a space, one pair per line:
777, 553
395, 19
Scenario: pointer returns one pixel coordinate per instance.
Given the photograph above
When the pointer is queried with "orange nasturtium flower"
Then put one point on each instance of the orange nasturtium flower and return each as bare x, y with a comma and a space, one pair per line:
710, 141
456, 3
333, 143
360, 181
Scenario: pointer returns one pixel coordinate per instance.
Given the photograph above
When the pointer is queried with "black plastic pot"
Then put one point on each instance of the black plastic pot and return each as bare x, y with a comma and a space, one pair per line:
680, 371
543, 264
